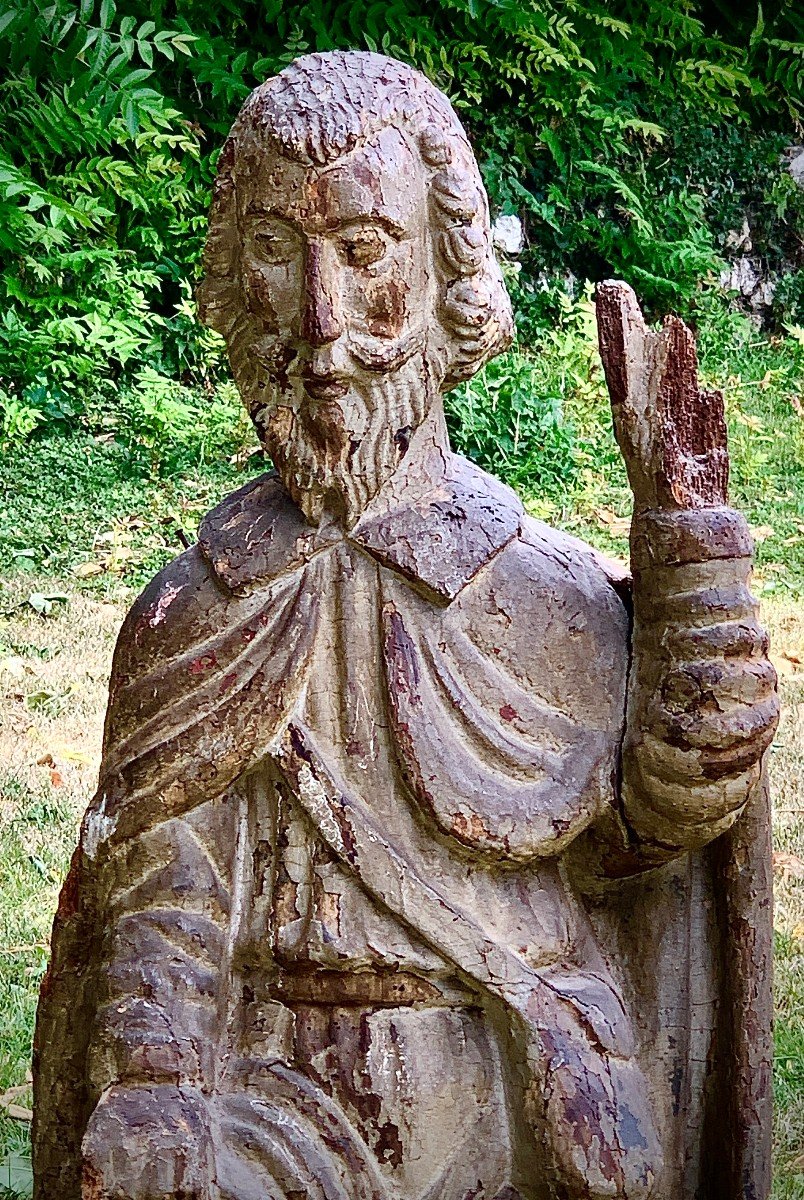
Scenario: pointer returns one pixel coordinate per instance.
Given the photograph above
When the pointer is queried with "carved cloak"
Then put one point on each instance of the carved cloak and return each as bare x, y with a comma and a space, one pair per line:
206, 681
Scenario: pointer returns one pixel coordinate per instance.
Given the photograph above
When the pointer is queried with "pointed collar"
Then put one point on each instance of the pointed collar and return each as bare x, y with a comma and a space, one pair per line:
436, 524
440, 526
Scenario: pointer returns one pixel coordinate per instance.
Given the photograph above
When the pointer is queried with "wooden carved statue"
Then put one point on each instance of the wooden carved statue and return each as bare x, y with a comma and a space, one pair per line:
429, 859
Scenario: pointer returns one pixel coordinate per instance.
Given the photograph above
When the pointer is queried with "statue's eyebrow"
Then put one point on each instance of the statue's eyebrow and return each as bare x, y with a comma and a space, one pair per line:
375, 218
257, 208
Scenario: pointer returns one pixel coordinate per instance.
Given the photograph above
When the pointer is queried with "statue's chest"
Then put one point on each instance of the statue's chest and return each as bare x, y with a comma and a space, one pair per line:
345, 699
432, 737
494, 721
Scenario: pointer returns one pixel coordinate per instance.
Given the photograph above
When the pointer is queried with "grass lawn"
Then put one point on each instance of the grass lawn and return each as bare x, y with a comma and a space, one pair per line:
53, 672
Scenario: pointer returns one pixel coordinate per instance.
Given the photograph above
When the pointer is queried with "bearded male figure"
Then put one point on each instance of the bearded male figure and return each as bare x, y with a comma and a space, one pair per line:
427, 857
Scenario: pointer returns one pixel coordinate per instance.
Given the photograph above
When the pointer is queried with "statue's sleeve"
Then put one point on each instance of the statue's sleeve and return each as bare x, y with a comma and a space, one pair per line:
143, 912
702, 704
201, 681
189, 712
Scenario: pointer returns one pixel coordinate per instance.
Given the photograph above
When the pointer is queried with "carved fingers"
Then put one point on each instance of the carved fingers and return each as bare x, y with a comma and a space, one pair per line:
672, 435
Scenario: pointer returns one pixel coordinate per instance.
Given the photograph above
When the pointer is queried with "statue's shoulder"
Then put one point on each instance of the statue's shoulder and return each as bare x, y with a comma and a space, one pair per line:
463, 525
441, 534
209, 662
547, 613
179, 608
257, 534
565, 558
543, 585
236, 540
250, 539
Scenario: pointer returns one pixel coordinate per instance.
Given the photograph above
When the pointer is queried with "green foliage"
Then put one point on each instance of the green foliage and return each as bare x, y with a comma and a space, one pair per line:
789, 297
99, 212
18, 419
522, 416
76, 508
612, 127
166, 427
122, 500
502, 420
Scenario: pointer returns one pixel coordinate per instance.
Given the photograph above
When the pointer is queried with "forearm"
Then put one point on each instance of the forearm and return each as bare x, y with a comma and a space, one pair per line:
158, 1017
702, 704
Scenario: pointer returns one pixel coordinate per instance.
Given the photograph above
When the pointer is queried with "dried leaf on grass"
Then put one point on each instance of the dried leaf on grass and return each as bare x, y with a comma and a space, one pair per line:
86, 570
17, 1113
8, 1103
789, 866
42, 602
616, 526
74, 755
788, 662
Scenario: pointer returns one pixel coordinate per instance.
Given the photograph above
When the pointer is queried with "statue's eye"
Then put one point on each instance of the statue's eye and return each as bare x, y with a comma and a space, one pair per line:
275, 246
364, 247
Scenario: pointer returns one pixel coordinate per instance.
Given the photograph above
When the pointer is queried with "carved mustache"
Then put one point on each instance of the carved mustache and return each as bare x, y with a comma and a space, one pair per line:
377, 355
373, 354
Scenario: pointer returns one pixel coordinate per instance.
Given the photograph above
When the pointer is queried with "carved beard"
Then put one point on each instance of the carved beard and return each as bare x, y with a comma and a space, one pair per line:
337, 454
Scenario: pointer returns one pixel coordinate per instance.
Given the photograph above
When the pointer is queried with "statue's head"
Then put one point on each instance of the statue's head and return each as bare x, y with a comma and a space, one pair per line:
350, 269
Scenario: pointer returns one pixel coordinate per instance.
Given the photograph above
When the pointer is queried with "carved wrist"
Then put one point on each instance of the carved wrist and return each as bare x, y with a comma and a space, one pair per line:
668, 538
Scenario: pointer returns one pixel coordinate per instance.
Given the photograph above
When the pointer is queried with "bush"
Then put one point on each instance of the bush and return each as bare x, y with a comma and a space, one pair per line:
166, 427
595, 120
501, 419
525, 416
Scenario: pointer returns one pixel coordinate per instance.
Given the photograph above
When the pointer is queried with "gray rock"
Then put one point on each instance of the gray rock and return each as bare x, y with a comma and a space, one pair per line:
508, 235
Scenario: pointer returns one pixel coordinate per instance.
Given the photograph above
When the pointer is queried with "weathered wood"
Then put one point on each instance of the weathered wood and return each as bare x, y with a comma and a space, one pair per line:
672, 434
417, 868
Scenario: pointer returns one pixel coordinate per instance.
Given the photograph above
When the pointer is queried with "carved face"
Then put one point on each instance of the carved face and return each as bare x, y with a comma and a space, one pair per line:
336, 268
354, 291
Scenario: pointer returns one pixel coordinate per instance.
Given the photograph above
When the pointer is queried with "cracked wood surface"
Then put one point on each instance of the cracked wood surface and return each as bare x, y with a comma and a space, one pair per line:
429, 856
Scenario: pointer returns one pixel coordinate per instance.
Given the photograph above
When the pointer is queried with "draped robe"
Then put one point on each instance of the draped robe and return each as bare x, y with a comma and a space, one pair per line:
352, 771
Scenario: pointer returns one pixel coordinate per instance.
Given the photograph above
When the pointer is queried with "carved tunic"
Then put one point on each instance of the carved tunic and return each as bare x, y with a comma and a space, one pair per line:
417, 749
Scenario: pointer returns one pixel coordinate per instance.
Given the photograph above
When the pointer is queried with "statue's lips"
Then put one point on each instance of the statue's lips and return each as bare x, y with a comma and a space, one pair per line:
322, 388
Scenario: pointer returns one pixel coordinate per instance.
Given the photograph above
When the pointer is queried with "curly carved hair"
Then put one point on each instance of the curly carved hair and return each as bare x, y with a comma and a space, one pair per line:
321, 107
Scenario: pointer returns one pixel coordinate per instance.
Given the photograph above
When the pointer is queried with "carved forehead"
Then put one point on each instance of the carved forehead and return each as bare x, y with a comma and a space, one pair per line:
384, 179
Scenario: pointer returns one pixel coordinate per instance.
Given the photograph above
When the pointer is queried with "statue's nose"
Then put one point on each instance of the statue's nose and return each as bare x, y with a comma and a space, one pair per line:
321, 319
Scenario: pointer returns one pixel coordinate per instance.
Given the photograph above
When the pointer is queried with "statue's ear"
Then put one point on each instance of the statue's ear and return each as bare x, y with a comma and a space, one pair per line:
478, 320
